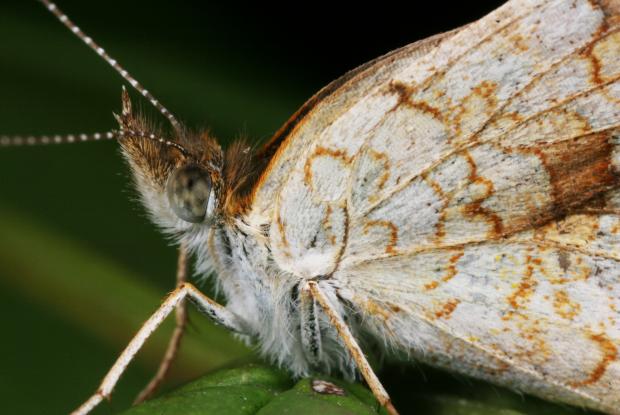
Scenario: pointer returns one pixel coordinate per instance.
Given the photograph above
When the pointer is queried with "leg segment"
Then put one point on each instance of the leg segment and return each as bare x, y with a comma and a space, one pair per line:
175, 340
351, 344
219, 314
310, 329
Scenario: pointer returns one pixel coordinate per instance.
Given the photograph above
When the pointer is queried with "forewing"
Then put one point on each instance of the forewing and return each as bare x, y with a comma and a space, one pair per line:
471, 135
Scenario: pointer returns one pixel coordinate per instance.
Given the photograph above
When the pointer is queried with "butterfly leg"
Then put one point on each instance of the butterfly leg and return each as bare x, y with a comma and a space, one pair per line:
310, 331
354, 349
218, 313
175, 340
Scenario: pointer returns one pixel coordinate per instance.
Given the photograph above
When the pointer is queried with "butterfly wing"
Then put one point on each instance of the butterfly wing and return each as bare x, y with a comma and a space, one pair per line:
537, 311
466, 199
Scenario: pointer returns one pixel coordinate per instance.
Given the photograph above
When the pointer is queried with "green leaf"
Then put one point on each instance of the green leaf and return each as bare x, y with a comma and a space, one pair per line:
302, 400
260, 390
234, 391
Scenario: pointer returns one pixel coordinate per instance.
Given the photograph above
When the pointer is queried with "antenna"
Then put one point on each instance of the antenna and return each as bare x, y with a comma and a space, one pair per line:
64, 19
16, 141
123, 132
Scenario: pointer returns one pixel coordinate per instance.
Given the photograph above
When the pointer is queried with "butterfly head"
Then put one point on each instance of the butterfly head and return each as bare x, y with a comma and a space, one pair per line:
180, 179
185, 180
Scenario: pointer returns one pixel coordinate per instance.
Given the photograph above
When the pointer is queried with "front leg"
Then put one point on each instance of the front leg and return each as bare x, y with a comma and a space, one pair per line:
216, 312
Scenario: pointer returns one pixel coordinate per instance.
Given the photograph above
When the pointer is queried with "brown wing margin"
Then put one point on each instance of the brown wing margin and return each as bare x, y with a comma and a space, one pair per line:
270, 148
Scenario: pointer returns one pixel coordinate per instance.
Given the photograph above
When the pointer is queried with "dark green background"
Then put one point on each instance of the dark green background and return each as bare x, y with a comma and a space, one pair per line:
80, 265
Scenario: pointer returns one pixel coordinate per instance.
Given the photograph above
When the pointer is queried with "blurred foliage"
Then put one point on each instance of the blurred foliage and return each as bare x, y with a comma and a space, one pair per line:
80, 265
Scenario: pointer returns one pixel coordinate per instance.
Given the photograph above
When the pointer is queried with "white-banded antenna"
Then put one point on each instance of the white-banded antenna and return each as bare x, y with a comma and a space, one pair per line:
31, 140
64, 19
17, 141
123, 132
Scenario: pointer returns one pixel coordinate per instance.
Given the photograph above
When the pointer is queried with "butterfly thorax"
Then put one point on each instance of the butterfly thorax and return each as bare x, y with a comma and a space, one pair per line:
267, 298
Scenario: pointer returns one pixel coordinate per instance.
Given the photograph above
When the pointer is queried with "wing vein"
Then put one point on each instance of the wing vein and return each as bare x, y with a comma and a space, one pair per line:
500, 241
466, 147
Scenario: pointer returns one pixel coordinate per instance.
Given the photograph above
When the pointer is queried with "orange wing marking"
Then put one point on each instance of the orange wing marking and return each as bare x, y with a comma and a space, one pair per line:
404, 93
609, 353
525, 289
564, 307
391, 246
447, 309
450, 273
484, 91
475, 208
323, 152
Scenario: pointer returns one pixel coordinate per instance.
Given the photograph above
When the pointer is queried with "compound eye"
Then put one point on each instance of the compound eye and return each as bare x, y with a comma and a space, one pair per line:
188, 189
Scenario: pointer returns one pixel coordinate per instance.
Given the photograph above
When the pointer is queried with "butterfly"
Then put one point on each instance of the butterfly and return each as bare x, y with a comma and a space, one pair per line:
456, 201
